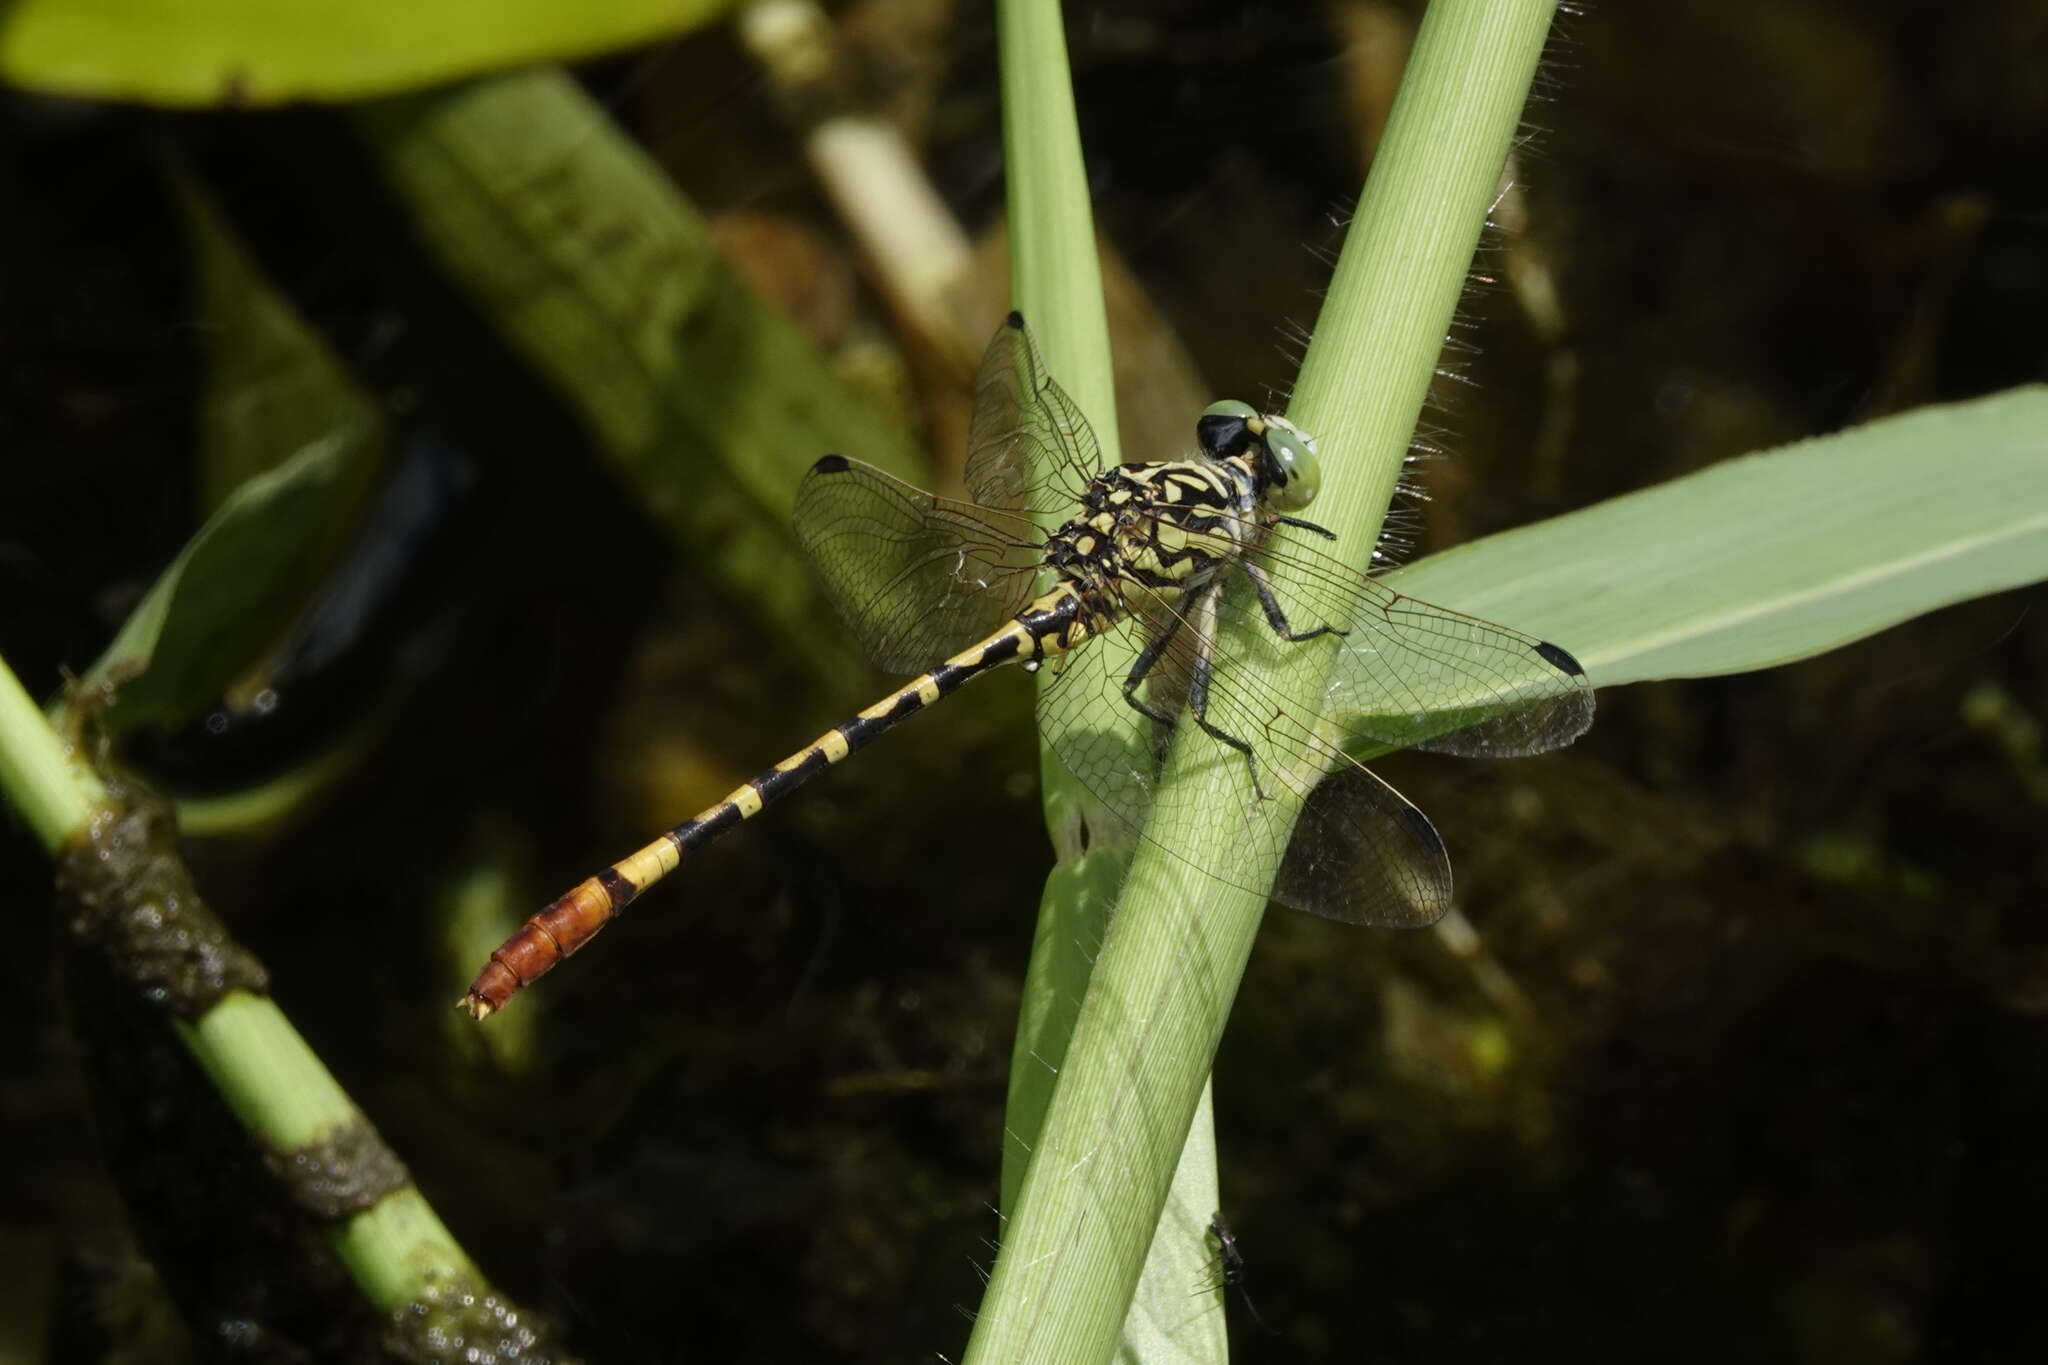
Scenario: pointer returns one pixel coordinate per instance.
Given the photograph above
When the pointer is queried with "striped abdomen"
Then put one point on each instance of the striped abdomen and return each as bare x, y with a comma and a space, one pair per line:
1054, 623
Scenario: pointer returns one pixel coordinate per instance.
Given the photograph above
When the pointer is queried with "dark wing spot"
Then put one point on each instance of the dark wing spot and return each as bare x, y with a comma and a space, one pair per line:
1015, 322
1559, 658
1418, 825
830, 464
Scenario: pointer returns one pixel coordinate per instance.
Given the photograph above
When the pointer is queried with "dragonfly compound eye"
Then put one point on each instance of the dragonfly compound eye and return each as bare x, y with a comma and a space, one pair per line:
1225, 428
1298, 475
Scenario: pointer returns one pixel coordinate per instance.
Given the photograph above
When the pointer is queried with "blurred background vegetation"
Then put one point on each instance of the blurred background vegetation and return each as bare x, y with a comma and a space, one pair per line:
1738, 1048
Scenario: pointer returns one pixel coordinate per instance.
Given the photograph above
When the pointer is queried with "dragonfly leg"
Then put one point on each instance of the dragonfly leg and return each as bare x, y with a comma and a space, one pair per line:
1275, 616
1325, 532
1198, 689
1142, 666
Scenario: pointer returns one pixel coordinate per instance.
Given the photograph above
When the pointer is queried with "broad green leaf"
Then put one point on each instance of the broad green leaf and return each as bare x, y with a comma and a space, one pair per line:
242, 53
582, 253
1776, 556
232, 589
292, 448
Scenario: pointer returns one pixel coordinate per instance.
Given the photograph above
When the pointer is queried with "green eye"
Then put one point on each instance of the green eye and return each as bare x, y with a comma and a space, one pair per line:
1294, 458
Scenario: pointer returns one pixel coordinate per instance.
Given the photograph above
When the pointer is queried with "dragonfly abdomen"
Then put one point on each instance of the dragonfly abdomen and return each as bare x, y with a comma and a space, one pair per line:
1051, 625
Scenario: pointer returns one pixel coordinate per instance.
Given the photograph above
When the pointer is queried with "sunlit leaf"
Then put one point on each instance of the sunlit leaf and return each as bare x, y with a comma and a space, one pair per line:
253, 52
1777, 556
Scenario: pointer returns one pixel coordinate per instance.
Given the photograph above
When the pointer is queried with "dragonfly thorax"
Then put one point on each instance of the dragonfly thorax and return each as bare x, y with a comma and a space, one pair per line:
1169, 527
1173, 527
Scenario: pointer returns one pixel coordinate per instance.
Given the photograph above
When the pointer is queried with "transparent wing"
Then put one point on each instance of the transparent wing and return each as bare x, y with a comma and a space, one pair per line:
1358, 851
1029, 449
1413, 675
1404, 673
915, 577
1365, 854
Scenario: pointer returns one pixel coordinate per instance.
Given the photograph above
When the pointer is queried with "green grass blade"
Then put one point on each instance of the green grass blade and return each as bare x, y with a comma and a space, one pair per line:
1056, 280
1776, 556
1054, 276
401, 1257
1105, 1161
1057, 283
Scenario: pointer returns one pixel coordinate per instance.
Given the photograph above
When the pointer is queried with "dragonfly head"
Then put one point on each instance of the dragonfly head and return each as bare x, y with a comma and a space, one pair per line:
1283, 454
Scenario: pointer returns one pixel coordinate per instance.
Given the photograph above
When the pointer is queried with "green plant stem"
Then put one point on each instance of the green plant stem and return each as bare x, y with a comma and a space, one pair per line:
55, 796
398, 1251
1054, 275
1170, 965
1056, 280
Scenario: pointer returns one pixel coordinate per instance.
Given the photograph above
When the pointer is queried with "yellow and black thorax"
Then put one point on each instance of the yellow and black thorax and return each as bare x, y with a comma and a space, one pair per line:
1167, 528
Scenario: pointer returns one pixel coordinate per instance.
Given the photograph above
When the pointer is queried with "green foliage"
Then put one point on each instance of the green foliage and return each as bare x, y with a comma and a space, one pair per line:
1056, 281
231, 589
240, 53
710, 408
606, 280
1777, 556
293, 448
1104, 1164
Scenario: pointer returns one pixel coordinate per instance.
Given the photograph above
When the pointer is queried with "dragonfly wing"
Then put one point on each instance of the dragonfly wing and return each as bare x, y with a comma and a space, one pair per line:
1116, 752
1111, 749
1554, 707
1413, 675
915, 577
1029, 449
1403, 674
1364, 854
1358, 852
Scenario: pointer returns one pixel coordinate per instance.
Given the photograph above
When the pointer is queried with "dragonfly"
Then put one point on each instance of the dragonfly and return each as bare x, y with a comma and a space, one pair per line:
1167, 592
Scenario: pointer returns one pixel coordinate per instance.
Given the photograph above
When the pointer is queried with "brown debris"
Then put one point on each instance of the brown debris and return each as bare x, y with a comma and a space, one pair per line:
128, 893
466, 1321
341, 1173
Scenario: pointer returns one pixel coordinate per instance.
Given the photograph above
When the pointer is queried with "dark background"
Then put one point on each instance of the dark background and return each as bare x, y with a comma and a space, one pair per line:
1749, 1061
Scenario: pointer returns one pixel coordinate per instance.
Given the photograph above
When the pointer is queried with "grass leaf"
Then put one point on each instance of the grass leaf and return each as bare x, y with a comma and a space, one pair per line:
1777, 556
